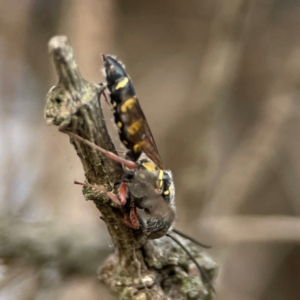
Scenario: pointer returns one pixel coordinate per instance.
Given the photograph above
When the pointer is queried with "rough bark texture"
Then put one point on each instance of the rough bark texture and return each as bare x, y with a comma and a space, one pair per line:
139, 269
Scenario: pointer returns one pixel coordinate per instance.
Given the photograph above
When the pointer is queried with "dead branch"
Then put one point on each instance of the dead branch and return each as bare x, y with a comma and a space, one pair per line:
72, 250
139, 269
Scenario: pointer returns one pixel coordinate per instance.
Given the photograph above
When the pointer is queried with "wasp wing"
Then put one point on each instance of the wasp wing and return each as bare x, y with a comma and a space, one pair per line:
143, 137
134, 129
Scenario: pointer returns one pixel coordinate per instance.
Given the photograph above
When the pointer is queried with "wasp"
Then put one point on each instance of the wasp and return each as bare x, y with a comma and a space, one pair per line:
147, 189
151, 188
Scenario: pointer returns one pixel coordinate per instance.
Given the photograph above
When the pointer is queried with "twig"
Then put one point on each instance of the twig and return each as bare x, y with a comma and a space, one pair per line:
137, 269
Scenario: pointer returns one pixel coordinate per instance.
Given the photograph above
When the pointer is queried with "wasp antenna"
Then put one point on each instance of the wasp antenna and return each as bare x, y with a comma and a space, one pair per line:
129, 164
202, 272
191, 239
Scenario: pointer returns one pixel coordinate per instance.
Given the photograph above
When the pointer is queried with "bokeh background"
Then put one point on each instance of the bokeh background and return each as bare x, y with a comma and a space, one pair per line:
219, 83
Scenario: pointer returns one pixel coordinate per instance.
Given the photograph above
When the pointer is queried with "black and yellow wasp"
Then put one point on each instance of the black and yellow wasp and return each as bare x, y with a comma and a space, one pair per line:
147, 191
150, 187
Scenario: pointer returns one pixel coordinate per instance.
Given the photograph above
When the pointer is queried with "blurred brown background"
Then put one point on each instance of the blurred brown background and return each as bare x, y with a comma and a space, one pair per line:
219, 84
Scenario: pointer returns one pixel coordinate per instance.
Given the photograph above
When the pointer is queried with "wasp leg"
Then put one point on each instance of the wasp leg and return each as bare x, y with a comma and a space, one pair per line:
191, 239
133, 221
123, 193
102, 189
186, 250
129, 224
127, 163
113, 198
134, 216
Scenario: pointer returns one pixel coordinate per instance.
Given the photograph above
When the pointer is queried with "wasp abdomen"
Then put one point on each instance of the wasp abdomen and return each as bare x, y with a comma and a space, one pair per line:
127, 113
